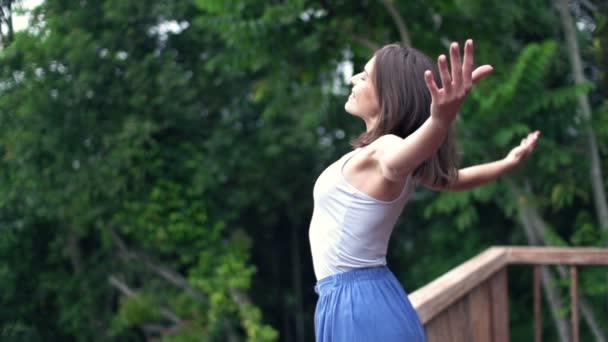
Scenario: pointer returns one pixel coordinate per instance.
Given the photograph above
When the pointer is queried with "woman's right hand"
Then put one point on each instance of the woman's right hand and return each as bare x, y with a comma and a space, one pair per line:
447, 101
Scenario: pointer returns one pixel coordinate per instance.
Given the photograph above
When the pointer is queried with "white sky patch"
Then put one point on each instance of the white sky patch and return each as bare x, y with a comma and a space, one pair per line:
345, 71
346, 68
312, 13
585, 25
122, 55
22, 21
166, 27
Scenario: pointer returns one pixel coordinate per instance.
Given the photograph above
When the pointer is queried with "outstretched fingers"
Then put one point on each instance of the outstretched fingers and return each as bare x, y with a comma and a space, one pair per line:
446, 79
430, 83
467, 66
457, 82
481, 72
469, 75
456, 65
529, 142
525, 147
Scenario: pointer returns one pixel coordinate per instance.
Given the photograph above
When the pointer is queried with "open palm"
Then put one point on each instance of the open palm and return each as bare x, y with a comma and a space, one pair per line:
456, 86
520, 152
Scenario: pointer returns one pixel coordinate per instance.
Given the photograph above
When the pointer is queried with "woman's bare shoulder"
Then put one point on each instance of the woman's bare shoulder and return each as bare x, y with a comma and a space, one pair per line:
384, 143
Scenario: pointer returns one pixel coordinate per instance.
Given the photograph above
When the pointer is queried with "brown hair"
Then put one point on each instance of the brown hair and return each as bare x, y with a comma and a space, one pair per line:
405, 104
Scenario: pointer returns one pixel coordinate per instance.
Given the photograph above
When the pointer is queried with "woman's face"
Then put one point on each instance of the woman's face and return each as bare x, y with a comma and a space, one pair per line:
363, 101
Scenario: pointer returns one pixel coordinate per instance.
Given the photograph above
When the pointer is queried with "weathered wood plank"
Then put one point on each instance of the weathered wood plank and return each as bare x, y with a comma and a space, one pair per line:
452, 325
499, 294
480, 314
557, 255
438, 329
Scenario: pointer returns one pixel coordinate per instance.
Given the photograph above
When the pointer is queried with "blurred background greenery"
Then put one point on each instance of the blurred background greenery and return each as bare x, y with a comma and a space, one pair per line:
158, 158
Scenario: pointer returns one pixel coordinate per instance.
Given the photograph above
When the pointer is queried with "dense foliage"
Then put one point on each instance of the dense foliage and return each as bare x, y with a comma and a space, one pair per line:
158, 157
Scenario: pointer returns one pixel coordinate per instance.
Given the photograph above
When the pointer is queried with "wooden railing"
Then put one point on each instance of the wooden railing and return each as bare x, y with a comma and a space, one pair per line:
471, 302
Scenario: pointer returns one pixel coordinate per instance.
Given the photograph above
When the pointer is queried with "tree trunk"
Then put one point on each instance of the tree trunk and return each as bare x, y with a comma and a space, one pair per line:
9, 22
597, 180
74, 252
76, 260
587, 312
6, 19
537, 232
551, 293
297, 286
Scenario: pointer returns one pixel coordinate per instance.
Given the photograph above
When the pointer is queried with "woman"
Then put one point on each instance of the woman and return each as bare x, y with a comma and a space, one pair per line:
409, 140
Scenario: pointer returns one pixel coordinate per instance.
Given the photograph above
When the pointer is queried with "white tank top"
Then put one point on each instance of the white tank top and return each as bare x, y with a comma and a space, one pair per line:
350, 229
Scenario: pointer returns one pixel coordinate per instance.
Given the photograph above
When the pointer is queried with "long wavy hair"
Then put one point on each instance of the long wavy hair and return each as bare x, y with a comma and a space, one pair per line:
405, 104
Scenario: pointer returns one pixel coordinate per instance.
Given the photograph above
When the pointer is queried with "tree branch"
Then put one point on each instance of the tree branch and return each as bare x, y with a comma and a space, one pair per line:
164, 272
399, 22
368, 43
176, 279
124, 289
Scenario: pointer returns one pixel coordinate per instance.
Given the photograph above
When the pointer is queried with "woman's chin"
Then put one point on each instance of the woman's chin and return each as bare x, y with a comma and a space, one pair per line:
348, 108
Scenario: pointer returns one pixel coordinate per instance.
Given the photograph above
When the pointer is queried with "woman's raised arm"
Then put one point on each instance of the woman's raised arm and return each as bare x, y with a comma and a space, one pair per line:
399, 157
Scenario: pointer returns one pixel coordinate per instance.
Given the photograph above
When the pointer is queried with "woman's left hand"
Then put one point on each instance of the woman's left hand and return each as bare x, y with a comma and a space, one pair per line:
447, 100
519, 153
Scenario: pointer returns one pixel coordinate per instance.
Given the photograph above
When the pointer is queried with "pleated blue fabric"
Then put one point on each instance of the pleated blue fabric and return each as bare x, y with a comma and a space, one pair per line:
365, 305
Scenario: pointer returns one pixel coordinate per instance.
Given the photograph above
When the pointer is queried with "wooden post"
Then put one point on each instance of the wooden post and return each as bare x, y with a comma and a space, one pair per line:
574, 295
499, 292
538, 317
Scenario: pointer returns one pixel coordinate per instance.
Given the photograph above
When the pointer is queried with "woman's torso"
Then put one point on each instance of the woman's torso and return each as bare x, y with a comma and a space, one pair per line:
349, 228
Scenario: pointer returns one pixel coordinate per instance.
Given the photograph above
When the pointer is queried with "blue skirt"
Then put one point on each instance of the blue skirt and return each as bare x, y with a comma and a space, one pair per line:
362, 305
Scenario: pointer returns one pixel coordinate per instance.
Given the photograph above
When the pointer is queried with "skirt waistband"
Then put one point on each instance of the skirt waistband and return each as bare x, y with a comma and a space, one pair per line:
369, 273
